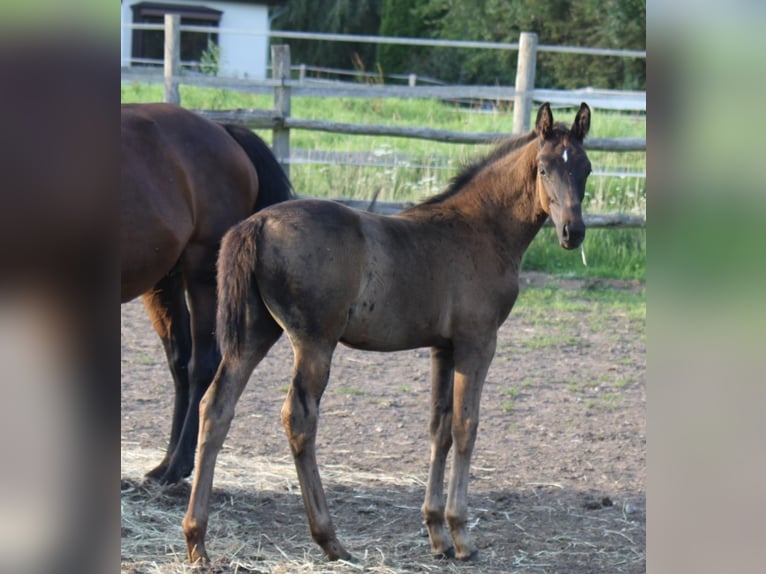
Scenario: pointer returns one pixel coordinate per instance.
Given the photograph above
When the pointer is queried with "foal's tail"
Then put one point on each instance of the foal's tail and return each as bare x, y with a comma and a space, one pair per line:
273, 183
236, 264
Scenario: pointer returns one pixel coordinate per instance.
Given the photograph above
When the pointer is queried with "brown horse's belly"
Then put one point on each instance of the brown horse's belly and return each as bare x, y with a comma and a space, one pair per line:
142, 276
147, 259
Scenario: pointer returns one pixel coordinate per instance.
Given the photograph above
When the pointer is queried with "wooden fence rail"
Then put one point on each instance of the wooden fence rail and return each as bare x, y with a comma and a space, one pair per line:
602, 221
319, 88
397, 40
268, 119
280, 121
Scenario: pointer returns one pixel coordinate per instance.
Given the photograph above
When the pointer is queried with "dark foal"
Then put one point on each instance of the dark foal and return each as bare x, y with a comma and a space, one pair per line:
443, 274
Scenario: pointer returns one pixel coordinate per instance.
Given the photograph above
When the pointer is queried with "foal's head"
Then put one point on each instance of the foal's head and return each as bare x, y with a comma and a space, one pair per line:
562, 169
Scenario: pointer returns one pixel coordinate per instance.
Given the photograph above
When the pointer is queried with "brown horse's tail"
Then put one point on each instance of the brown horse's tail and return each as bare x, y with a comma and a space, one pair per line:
273, 183
236, 263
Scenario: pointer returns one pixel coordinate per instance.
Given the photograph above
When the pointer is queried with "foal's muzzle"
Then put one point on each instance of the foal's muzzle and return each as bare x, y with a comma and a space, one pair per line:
572, 234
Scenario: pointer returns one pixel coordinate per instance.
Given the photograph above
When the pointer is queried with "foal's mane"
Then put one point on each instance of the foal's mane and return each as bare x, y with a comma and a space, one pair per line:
469, 171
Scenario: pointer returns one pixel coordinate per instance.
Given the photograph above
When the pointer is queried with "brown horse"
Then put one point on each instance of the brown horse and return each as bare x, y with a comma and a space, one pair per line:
443, 274
185, 182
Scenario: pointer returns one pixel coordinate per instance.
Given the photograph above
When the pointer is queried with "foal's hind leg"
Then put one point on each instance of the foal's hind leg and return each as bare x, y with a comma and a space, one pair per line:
167, 310
216, 413
199, 271
442, 372
300, 414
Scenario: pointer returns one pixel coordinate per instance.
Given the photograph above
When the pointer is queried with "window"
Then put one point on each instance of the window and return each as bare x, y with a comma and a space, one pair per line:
150, 44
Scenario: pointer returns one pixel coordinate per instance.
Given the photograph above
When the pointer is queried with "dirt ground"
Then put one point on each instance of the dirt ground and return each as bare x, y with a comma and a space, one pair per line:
558, 481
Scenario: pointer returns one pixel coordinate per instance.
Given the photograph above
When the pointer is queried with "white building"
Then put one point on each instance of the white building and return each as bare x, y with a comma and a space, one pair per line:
239, 55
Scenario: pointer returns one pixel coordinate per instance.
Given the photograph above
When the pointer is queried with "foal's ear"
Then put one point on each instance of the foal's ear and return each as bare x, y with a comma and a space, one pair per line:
544, 122
581, 123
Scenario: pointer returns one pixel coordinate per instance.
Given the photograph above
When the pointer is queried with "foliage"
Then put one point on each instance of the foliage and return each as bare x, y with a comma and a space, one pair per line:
330, 16
588, 23
400, 18
618, 24
210, 59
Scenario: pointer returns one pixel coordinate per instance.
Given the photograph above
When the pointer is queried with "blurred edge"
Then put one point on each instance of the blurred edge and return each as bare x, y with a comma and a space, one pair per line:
59, 310
707, 280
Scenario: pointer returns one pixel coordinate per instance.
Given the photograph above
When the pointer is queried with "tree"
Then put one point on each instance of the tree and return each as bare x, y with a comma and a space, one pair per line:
331, 16
619, 24
400, 18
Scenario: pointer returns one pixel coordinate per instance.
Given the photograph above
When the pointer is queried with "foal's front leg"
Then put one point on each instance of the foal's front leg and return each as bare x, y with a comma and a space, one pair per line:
442, 372
472, 359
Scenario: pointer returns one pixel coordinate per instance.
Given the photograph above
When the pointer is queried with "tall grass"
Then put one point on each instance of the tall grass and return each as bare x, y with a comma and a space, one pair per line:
611, 253
424, 168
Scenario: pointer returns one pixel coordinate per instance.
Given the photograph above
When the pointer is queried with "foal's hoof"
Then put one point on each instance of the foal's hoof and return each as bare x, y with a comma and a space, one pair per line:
196, 559
448, 554
473, 556
196, 554
335, 551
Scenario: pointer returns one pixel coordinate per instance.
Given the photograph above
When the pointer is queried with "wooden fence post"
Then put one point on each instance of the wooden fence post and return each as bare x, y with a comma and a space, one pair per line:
525, 82
172, 57
280, 71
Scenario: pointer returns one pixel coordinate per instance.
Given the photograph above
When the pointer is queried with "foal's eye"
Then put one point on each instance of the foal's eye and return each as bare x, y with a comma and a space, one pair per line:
543, 172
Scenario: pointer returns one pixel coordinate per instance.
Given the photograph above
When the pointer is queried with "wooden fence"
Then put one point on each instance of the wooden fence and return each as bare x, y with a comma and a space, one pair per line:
283, 88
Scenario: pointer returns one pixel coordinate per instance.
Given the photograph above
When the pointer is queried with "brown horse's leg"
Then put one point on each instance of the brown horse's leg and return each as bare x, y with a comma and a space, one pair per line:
216, 413
199, 271
442, 372
166, 306
472, 359
300, 416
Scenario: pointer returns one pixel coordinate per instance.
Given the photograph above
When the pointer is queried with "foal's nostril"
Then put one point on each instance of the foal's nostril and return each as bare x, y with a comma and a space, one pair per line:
565, 232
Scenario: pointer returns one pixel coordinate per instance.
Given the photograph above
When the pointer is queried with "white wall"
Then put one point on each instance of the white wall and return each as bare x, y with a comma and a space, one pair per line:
242, 55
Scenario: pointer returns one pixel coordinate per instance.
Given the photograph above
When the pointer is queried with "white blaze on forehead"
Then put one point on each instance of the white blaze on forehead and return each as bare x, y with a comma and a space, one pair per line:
564, 155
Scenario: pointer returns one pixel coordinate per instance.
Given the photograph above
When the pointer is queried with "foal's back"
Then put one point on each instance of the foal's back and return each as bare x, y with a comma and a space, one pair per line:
325, 271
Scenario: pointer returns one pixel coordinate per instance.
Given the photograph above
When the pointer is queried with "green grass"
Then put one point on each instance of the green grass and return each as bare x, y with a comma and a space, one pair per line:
351, 391
611, 253
535, 306
552, 340
596, 298
605, 402
617, 254
622, 383
145, 360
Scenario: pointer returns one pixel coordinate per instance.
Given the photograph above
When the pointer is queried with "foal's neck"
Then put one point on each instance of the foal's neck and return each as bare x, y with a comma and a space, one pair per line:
503, 195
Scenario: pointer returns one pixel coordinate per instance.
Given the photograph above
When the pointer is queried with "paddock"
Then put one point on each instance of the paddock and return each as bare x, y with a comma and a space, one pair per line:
562, 487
